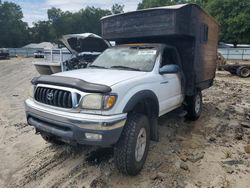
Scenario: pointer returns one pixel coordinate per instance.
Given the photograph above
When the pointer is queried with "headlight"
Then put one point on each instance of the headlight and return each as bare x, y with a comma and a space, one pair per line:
98, 101
92, 101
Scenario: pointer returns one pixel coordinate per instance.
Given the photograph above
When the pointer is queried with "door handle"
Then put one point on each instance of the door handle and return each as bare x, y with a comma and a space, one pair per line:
165, 82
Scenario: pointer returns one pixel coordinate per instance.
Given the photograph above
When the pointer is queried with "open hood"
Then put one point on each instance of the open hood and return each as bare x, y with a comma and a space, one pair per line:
85, 42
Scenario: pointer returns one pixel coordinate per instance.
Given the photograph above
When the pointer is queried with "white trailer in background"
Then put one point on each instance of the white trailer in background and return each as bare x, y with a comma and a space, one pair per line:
81, 50
52, 61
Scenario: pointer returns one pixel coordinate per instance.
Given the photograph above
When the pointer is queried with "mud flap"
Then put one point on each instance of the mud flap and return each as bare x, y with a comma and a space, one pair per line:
154, 129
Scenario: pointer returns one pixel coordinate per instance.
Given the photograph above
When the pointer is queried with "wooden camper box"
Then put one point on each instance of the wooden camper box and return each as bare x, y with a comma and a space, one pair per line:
187, 27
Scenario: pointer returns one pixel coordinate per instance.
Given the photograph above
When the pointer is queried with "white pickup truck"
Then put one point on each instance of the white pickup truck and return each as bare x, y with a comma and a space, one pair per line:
117, 100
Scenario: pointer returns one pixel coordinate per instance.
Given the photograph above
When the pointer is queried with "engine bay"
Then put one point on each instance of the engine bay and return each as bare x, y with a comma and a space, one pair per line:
81, 61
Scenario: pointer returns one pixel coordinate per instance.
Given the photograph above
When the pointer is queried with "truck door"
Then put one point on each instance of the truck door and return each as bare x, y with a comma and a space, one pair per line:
170, 94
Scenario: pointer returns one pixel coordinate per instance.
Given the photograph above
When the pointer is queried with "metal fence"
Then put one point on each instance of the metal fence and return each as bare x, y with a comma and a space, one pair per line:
50, 55
57, 55
235, 53
60, 55
24, 52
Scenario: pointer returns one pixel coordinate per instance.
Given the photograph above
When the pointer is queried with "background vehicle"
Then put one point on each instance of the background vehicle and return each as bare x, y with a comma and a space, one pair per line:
220, 61
240, 69
39, 54
160, 64
4, 53
84, 49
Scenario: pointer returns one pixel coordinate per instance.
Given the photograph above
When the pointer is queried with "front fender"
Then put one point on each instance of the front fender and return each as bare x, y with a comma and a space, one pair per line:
140, 96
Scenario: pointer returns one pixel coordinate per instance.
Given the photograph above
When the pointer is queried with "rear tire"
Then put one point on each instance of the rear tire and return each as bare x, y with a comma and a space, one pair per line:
130, 152
194, 106
243, 72
51, 139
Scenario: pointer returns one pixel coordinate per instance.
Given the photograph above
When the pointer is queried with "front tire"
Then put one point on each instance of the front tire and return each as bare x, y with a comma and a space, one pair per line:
194, 106
130, 152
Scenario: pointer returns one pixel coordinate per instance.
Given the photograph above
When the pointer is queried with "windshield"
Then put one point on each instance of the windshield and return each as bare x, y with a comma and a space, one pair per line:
127, 58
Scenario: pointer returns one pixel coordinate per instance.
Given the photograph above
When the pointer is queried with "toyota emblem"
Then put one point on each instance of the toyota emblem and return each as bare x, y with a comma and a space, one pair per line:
50, 96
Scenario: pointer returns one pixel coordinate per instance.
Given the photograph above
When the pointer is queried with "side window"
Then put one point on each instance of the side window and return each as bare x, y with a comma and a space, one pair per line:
204, 33
167, 57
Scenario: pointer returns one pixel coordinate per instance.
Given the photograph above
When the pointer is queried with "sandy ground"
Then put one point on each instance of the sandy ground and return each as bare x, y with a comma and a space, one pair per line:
206, 153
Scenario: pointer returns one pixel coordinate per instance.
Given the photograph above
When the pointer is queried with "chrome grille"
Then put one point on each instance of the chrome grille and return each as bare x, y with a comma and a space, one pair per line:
54, 97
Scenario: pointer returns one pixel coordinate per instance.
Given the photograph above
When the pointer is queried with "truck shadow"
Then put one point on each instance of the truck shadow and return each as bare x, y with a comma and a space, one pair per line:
100, 155
172, 128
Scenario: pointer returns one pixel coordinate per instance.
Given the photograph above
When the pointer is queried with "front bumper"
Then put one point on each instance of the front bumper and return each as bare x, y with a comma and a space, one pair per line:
71, 127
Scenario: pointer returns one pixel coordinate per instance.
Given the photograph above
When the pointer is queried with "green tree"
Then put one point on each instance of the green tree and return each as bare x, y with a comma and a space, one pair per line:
90, 19
202, 3
158, 3
13, 31
43, 31
54, 14
233, 16
85, 20
117, 9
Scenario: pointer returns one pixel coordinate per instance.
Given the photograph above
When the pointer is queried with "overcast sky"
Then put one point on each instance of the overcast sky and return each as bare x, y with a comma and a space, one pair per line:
35, 10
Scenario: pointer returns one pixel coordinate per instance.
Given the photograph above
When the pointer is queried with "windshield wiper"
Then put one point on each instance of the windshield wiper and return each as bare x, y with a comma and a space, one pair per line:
97, 66
124, 67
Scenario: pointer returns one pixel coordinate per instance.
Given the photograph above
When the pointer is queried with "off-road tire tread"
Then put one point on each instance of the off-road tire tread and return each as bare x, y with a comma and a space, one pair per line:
123, 148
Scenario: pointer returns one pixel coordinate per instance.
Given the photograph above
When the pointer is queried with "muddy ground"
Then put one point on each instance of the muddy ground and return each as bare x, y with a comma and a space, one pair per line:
206, 153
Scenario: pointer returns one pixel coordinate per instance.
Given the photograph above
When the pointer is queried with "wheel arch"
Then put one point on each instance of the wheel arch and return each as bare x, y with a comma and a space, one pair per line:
139, 97
145, 102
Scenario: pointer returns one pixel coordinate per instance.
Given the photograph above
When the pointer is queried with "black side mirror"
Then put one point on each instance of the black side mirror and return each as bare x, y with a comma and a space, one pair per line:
169, 69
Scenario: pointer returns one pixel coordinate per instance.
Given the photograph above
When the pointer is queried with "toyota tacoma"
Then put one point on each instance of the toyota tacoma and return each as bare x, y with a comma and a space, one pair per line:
162, 61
